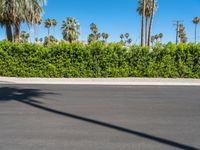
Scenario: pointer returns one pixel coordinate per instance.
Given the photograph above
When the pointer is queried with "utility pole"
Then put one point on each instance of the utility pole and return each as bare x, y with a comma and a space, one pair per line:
177, 24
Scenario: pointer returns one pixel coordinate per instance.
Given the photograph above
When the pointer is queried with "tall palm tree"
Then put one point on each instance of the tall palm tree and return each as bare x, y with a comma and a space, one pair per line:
70, 29
147, 15
14, 12
7, 24
153, 9
48, 24
26, 11
54, 23
196, 21
143, 18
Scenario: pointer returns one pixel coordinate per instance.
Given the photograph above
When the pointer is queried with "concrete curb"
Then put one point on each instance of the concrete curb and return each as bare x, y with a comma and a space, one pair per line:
102, 81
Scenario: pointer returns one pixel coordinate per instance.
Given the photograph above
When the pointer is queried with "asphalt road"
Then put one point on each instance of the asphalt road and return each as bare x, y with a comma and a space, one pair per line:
66, 117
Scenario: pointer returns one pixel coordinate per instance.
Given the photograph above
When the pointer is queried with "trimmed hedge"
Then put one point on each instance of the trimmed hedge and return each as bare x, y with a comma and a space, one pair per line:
99, 60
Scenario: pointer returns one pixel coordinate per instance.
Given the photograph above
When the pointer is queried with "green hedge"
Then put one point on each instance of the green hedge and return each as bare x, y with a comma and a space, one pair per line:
99, 60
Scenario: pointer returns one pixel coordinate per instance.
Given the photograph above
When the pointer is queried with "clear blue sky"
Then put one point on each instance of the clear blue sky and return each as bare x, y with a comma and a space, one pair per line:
120, 16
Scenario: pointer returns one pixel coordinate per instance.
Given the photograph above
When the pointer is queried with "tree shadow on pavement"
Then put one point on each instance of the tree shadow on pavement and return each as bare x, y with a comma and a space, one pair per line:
27, 96
21, 95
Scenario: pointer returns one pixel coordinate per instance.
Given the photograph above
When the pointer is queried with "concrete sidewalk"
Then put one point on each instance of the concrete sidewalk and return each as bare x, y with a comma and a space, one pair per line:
102, 81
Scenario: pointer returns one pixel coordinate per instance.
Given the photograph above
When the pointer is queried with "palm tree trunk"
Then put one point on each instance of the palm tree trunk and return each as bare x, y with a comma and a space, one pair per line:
9, 31
146, 31
17, 30
48, 32
48, 35
151, 23
143, 16
195, 33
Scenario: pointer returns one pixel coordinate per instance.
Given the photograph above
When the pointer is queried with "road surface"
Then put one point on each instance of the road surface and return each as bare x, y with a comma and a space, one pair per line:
86, 117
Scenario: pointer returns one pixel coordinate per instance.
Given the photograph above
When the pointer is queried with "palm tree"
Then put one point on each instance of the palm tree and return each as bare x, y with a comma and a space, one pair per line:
95, 35
196, 21
7, 23
147, 15
24, 36
49, 40
129, 41
94, 28
143, 17
105, 37
48, 24
41, 40
26, 11
54, 24
91, 38
70, 30
125, 39
13, 13
156, 37
153, 9
36, 39
161, 37
122, 38
126, 35
153, 40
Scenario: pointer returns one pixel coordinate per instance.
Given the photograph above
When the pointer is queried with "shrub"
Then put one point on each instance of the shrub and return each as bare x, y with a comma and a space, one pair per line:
99, 60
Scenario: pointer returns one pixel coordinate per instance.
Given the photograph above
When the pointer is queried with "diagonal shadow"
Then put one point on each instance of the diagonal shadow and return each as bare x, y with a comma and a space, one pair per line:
26, 96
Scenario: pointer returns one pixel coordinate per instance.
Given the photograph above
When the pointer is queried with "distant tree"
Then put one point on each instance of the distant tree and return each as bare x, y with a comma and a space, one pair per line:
91, 38
105, 37
152, 40
24, 36
41, 40
36, 40
196, 21
125, 39
156, 38
161, 37
48, 25
129, 41
54, 23
95, 35
127, 35
94, 28
70, 30
122, 38
182, 33
49, 40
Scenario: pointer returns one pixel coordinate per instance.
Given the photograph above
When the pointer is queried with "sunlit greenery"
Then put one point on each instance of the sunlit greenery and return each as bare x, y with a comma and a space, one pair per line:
99, 60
